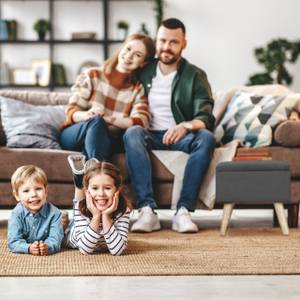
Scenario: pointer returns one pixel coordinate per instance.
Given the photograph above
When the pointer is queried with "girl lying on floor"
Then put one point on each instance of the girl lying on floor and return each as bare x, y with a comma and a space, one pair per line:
101, 212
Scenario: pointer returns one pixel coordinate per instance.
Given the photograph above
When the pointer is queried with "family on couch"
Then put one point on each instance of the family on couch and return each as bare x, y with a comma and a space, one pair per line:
150, 104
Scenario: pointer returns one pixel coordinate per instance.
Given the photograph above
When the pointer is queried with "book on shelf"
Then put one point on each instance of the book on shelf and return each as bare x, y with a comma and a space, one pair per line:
83, 35
58, 75
8, 30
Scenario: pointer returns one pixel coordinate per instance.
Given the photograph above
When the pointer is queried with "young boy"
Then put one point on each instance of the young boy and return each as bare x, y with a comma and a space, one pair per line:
35, 226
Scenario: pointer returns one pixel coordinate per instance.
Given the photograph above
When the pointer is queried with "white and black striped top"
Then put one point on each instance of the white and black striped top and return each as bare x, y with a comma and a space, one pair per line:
87, 240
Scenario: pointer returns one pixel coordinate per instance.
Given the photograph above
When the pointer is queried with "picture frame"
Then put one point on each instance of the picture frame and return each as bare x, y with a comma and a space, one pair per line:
42, 71
23, 76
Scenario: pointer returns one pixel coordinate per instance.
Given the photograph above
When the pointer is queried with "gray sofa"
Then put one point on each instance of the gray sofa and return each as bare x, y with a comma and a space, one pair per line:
54, 161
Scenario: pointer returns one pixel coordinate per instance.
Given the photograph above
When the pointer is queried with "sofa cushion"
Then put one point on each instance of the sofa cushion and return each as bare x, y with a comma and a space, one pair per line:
287, 134
250, 118
31, 126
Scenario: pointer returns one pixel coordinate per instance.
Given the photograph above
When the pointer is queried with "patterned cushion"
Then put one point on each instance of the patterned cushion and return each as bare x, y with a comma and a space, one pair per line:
250, 118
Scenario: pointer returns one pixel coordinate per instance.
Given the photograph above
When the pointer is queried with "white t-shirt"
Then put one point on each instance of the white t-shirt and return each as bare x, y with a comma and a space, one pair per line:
159, 100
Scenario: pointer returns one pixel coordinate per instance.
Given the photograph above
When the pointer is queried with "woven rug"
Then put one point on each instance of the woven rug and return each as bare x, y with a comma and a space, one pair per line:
243, 251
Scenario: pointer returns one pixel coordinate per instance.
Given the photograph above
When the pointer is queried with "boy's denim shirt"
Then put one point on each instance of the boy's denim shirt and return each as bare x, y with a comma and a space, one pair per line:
24, 228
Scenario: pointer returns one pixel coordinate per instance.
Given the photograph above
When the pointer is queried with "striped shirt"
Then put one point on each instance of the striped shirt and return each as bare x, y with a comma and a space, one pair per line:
114, 94
87, 240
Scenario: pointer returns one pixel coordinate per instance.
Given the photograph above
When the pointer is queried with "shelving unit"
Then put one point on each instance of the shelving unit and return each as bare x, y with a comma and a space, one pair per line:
51, 42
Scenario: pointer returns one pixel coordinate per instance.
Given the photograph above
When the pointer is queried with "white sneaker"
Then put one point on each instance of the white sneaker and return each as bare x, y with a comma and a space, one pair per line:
76, 162
182, 221
147, 221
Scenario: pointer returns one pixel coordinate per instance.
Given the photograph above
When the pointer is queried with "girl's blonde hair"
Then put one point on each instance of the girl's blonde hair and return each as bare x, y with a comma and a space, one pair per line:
111, 170
110, 64
23, 173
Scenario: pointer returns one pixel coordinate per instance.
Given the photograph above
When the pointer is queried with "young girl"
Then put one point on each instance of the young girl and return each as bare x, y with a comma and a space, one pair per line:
107, 100
101, 212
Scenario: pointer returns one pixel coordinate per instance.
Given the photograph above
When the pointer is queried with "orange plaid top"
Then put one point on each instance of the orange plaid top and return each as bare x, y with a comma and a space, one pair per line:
115, 94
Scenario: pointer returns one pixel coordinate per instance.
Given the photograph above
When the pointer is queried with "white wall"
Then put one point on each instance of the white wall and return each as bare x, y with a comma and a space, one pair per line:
221, 34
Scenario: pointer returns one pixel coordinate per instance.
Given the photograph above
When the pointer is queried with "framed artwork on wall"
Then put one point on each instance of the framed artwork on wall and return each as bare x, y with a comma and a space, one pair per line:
23, 76
42, 71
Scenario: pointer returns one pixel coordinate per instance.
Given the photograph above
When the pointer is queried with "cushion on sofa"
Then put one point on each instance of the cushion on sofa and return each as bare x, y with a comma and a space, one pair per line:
250, 118
31, 126
288, 134
222, 98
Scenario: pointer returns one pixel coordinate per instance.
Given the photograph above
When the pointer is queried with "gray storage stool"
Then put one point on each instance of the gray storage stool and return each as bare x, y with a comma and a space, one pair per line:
253, 182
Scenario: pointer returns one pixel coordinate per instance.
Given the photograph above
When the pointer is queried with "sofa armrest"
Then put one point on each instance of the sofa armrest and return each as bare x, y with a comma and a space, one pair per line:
288, 133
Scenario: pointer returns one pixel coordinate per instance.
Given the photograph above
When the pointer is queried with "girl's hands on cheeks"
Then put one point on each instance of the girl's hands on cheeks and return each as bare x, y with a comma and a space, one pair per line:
113, 206
91, 205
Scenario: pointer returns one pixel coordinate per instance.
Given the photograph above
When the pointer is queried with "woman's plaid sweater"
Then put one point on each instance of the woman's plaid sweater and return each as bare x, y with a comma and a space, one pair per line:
115, 94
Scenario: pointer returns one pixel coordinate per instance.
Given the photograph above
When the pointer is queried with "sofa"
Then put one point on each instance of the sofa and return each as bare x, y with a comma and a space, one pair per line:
285, 146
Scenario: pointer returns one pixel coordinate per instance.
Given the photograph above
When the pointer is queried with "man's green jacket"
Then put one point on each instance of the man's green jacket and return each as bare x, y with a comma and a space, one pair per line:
191, 93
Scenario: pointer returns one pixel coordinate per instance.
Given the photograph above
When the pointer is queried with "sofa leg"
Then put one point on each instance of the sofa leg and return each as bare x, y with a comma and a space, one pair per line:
293, 215
281, 218
227, 211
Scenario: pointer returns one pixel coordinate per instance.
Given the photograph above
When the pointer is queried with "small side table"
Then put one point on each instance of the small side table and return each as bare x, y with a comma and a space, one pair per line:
253, 182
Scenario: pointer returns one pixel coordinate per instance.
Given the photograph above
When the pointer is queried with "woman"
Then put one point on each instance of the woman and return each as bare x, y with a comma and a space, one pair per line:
108, 100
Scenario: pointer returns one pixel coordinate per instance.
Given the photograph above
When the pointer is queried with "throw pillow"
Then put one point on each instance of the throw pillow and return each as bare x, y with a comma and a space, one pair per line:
250, 118
31, 126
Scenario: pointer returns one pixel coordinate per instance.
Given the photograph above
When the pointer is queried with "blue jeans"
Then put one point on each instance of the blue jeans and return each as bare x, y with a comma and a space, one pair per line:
92, 138
139, 141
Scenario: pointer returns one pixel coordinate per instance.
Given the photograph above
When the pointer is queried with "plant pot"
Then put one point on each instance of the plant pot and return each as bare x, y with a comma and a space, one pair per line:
42, 36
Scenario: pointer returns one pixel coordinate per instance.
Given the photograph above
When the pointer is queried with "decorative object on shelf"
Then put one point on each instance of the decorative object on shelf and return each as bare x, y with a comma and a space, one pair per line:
41, 70
4, 74
42, 26
83, 35
123, 27
58, 75
23, 76
144, 29
86, 65
8, 30
274, 58
159, 6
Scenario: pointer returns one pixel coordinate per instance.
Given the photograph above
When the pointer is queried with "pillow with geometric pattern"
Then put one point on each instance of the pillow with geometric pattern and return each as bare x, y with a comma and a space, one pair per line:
250, 118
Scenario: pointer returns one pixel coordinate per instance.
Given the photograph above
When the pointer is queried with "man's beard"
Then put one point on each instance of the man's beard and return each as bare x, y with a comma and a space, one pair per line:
168, 60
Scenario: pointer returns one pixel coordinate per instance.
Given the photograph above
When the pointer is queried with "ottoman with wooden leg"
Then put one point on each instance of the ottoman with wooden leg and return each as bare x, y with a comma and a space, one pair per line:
253, 182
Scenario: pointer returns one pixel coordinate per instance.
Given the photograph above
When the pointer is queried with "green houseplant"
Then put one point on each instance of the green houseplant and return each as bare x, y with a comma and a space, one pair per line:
41, 26
123, 27
159, 11
274, 58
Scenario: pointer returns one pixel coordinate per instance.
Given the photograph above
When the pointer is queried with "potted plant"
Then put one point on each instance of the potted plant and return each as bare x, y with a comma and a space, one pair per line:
274, 57
159, 6
123, 28
41, 26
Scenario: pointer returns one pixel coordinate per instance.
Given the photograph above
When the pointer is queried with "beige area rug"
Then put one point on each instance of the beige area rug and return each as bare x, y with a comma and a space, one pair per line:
243, 251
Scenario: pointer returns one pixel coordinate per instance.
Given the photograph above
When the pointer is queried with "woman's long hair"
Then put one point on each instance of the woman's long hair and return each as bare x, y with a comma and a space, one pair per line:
111, 170
110, 63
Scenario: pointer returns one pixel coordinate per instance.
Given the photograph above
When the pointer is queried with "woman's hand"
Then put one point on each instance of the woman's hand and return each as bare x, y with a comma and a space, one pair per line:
91, 205
113, 206
80, 116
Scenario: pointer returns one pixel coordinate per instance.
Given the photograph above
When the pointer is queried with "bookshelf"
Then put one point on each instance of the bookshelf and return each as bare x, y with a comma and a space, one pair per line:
52, 42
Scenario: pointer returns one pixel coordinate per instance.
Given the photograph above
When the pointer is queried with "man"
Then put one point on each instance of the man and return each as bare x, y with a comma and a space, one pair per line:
180, 102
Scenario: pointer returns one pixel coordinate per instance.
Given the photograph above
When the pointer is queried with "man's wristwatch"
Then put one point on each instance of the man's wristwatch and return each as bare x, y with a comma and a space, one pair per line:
187, 125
